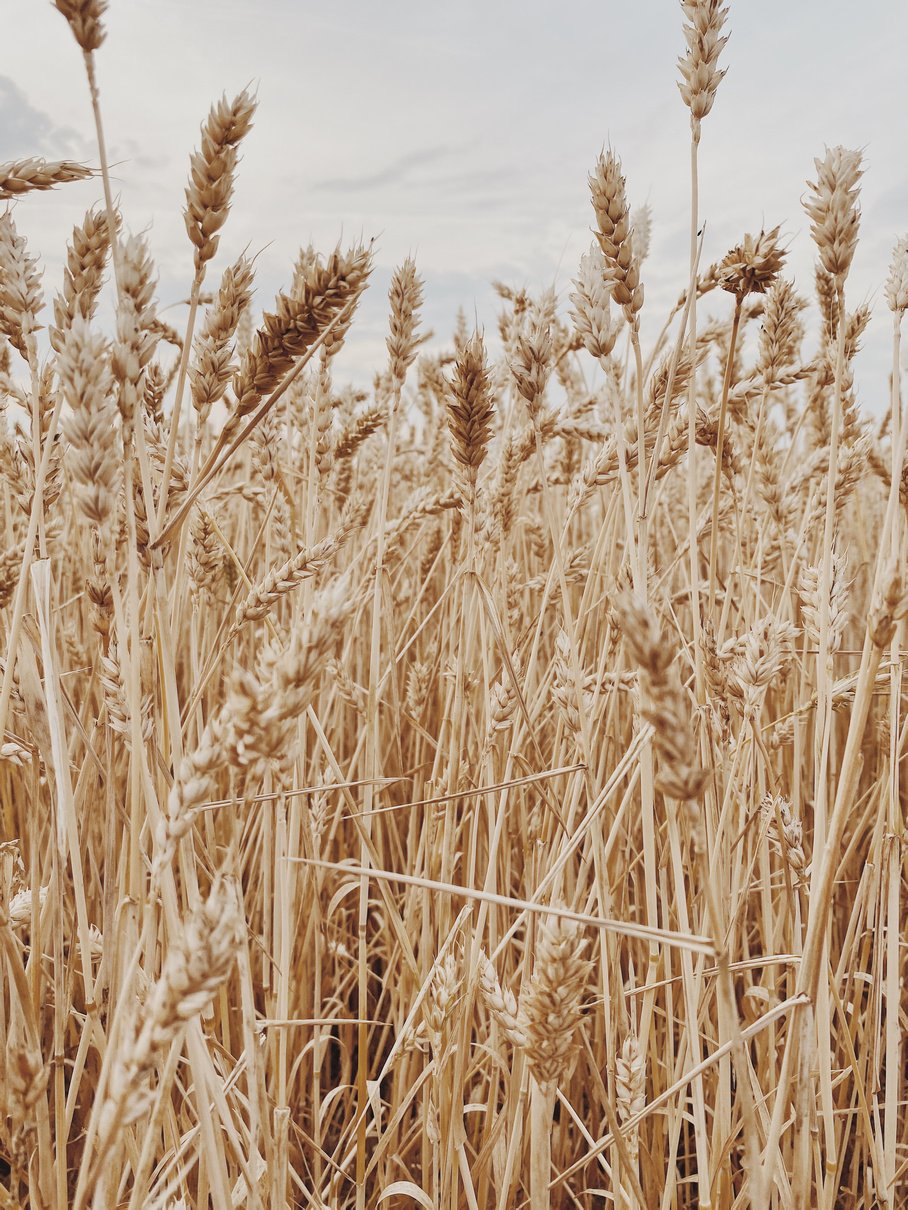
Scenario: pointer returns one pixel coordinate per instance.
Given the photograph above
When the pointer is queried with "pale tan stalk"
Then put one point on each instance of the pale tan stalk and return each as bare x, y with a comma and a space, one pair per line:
405, 297
897, 298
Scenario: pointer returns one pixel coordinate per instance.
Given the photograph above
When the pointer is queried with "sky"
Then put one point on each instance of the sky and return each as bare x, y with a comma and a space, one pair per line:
463, 133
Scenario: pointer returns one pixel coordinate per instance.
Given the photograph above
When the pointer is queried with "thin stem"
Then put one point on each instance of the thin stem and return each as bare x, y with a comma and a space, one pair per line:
372, 766
89, 59
720, 450
178, 396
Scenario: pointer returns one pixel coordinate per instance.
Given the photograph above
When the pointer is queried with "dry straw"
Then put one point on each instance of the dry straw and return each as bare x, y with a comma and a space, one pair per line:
364, 839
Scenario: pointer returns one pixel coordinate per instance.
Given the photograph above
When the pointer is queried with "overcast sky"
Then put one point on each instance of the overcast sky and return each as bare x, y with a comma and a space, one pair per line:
463, 133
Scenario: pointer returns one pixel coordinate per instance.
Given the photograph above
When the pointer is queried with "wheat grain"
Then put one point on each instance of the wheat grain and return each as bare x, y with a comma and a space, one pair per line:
85, 21
84, 366
212, 170
23, 176
700, 76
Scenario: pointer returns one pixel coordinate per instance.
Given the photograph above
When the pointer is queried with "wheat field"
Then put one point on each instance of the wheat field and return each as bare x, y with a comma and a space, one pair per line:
483, 790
